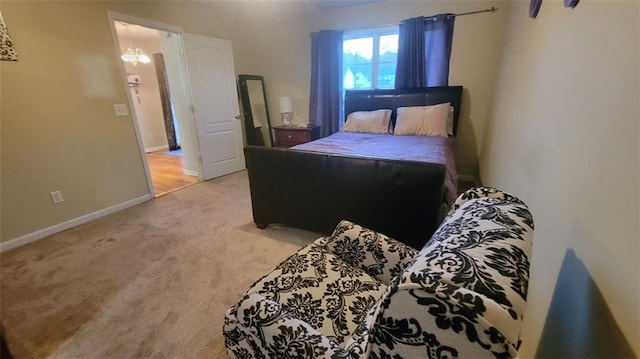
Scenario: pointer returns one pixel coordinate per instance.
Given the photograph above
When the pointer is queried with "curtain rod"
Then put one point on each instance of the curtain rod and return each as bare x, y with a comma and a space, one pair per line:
491, 10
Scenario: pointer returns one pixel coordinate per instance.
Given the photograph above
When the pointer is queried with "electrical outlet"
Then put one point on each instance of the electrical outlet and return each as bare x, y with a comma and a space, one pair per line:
56, 197
120, 109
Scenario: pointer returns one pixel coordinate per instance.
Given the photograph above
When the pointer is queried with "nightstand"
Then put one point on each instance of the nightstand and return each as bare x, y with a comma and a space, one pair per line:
287, 136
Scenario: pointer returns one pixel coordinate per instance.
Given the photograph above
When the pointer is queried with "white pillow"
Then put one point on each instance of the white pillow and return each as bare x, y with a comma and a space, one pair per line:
450, 121
423, 120
368, 121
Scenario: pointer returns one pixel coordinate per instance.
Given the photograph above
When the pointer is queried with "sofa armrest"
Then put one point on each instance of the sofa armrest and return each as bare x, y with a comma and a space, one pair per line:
259, 327
470, 281
479, 192
375, 253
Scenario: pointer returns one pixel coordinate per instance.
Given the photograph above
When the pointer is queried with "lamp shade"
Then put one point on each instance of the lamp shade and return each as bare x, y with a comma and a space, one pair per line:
286, 104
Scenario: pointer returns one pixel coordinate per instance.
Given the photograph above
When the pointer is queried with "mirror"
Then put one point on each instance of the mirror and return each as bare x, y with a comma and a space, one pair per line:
256, 111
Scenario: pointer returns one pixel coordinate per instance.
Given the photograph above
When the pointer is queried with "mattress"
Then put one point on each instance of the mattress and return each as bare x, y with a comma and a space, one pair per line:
429, 149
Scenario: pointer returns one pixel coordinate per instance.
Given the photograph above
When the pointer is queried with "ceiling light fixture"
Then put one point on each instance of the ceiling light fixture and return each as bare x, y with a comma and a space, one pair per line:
134, 56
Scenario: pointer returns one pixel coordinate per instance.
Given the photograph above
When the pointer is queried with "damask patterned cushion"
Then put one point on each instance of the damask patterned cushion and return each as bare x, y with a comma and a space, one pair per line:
378, 255
316, 287
268, 330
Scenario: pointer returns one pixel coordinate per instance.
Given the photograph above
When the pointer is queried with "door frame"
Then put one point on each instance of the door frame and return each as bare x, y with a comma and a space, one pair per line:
115, 16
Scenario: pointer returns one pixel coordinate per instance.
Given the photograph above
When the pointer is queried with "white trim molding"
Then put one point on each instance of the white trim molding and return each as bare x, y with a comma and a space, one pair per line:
34, 236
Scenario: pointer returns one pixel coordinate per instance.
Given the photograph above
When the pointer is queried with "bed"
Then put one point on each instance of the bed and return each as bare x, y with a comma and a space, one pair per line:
397, 185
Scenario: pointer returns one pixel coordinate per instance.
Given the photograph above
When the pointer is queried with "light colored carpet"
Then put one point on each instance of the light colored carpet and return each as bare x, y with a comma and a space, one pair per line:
150, 281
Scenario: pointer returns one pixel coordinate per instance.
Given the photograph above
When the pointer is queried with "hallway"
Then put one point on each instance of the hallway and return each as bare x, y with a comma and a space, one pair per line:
167, 172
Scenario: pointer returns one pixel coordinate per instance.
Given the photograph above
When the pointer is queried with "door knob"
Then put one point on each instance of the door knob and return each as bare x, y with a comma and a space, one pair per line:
237, 117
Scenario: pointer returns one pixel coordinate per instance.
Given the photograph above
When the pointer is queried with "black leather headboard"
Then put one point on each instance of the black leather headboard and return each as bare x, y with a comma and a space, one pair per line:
369, 100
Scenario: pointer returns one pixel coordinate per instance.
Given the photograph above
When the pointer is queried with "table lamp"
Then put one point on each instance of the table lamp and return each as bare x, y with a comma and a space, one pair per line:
286, 110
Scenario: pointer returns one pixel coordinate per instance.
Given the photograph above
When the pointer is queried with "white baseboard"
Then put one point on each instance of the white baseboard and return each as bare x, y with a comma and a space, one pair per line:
156, 148
34, 236
190, 173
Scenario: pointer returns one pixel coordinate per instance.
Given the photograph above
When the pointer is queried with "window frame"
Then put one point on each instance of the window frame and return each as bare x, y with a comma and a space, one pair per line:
376, 33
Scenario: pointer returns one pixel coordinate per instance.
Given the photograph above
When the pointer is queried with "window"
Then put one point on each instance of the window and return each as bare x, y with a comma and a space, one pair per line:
369, 58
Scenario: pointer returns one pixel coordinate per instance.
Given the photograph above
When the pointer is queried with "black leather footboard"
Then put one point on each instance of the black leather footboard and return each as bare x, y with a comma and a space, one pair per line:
314, 191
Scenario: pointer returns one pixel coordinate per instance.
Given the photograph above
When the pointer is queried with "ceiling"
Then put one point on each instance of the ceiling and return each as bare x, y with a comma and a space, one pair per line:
328, 5
128, 32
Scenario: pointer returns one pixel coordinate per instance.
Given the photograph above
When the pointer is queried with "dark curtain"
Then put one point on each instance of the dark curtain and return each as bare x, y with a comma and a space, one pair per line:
424, 51
326, 81
410, 68
437, 46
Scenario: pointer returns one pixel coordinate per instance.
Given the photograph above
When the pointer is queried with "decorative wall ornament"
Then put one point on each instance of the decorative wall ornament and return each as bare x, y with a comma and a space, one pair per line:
7, 50
534, 7
571, 3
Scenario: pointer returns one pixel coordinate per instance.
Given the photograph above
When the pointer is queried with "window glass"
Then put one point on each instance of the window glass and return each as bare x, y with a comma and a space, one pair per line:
369, 58
387, 60
389, 45
386, 76
358, 50
358, 76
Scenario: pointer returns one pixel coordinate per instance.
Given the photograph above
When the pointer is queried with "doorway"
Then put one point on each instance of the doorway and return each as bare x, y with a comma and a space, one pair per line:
202, 100
159, 98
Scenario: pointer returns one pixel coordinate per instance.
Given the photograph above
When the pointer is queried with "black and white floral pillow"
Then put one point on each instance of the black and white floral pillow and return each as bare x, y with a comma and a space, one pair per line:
312, 294
378, 255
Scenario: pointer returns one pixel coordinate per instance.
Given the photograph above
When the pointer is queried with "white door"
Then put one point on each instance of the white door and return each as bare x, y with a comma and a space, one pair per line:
215, 100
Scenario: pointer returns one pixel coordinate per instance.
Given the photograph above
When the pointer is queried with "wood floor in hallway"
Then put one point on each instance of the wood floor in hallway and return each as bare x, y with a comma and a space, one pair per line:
167, 171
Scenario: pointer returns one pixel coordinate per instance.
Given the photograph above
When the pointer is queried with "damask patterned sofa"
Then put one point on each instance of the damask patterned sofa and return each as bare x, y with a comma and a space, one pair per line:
360, 294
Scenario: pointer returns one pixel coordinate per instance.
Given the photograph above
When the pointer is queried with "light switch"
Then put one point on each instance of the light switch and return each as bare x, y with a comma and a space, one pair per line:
120, 109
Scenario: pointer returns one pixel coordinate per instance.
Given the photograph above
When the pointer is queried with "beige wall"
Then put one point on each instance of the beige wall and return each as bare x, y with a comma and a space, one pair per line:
59, 131
147, 101
564, 138
475, 56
